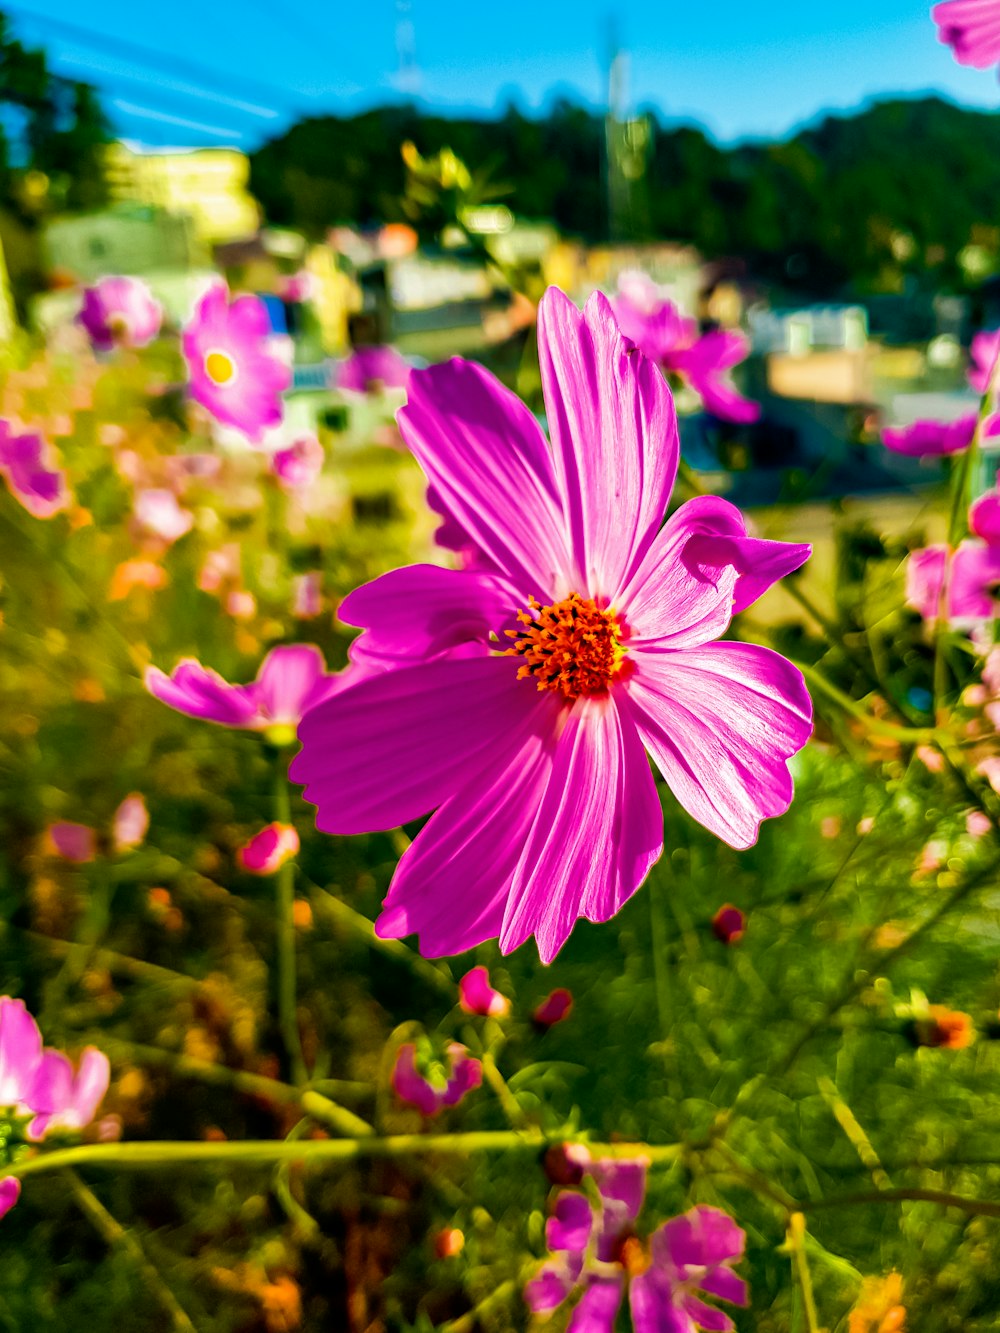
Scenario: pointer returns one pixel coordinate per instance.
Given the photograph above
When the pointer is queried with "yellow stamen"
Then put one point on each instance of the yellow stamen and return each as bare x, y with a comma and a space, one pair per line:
573, 646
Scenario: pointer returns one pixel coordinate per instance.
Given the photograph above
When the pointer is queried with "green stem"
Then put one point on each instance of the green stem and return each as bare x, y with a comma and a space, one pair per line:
511, 1106
907, 735
795, 1241
263, 1152
285, 908
979, 1207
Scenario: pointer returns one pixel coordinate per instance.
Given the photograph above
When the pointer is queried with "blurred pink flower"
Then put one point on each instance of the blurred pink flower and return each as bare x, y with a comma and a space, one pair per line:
64, 1098
555, 1008
159, 513
464, 1073
983, 351
120, 310
20, 1051
932, 760
268, 850
300, 464
537, 751
74, 842
220, 566
667, 337
373, 368
241, 605
232, 372
41, 489
291, 680
977, 823
930, 437
477, 996
984, 518
10, 1192
130, 823
307, 596
973, 582
729, 924
971, 28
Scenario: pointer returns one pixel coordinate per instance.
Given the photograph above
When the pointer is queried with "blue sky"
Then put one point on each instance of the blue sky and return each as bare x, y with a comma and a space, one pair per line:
222, 71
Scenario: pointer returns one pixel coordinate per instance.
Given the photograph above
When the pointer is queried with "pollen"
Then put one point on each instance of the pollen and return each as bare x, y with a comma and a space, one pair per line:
220, 367
573, 647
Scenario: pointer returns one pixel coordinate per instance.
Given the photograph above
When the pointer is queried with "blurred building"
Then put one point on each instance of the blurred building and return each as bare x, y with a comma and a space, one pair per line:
208, 185
132, 238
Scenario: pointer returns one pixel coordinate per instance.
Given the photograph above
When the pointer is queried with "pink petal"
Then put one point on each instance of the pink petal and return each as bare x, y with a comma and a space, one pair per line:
975, 582
653, 1308
74, 842
924, 576
597, 1309
930, 437
410, 1085
396, 745
720, 722
555, 1008
548, 1289
466, 1074
89, 1086
20, 1051
705, 364
984, 518
703, 1237
10, 1192
268, 850
597, 831
489, 463
622, 1181
985, 346
614, 438
199, 692
413, 614
130, 822
971, 28
725, 1284
571, 1223
291, 680
706, 1317
445, 888
477, 996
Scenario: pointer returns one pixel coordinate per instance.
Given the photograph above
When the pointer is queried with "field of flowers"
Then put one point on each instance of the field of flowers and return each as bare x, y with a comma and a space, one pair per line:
477, 910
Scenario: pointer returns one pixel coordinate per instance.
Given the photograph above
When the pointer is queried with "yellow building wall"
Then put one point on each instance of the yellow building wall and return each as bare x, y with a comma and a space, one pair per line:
207, 184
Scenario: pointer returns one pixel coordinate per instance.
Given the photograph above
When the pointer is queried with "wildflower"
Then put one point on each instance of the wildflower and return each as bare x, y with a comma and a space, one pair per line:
729, 924
930, 437
971, 29
973, 581
307, 595
298, 466
291, 680
232, 373
130, 823
120, 310
370, 369
268, 850
159, 513
477, 996
41, 489
442, 1086
879, 1307
596, 1254
939, 1026
73, 842
65, 1098
659, 330
516, 696
555, 1008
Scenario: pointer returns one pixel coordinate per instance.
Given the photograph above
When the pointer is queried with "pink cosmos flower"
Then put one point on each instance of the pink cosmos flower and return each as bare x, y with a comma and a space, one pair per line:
74, 842
729, 924
291, 680
120, 310
307, 595
671, 340
984, 518
130, 823
930, 437
432, 1095
977, 823
971, 28
555, 1008
41, 489
477, 996
300, 464
516, 697
983, 351
159, 513
64, 1098
373, 368
232, 372
973, 581
268, 850
20, 1052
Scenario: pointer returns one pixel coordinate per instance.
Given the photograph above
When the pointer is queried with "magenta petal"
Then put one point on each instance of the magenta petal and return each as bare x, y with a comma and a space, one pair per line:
622, 1181
477, 996
489, 464
598, 829
971, 29
703, 1237
291, 680
653, 1308
706, 1317
416, 613
571, 1223
705, 365
975, 578
614, 437
10, 1192
466, 1074
597, 1308
548, 1289
984, 518
930, 437
924, 576
410, 1085
720, 722
74, 842
20, 1051
725, 1284
394, 746
445, 888
199, 692
984, 349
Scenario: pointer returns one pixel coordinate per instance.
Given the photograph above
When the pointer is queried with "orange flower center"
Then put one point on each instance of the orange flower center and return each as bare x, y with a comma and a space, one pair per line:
573, 646
220, 367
